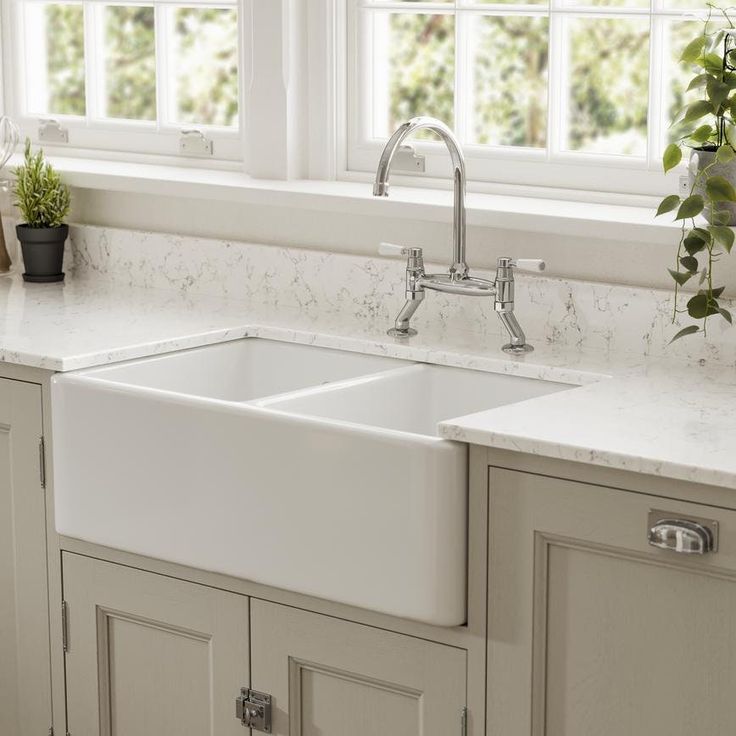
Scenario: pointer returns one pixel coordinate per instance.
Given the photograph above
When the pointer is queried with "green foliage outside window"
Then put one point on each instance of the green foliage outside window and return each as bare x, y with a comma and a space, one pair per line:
608, 67
203, 63
65, 59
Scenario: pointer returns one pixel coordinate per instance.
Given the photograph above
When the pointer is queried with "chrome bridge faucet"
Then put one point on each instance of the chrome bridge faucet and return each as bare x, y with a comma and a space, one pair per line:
456, 280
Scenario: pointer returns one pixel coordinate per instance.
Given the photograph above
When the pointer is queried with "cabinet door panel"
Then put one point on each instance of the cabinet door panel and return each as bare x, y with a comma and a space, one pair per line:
330, 677
151, 655
25, 665
593, 632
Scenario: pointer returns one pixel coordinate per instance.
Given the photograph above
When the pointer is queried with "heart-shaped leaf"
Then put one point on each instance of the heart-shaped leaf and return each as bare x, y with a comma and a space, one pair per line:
717, 91
671, 157
690, 207
721, 217
689, 263
697, 110
668, 204
723, 235
693, 244
699, 81
693, 50
719, 189
679, 276
702, 133
725, 154
702, 233
712, 63
689, 330
700, 307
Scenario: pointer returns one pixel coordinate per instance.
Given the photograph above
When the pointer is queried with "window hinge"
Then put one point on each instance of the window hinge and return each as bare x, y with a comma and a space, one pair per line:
42, 461
195, 143
51, 131
64, 626
464, 722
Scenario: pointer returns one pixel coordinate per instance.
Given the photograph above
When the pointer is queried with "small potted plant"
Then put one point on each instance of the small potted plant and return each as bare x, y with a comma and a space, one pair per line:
43, 201
706, 126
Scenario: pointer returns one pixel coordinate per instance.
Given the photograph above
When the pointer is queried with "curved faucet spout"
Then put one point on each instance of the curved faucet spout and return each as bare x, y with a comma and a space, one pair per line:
459, 268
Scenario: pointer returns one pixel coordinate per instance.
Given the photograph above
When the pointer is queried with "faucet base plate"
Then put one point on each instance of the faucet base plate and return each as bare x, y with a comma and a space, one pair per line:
395, 332
517, 349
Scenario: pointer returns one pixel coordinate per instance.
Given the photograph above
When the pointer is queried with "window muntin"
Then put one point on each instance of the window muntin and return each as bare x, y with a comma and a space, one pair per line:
570, 93
144, 70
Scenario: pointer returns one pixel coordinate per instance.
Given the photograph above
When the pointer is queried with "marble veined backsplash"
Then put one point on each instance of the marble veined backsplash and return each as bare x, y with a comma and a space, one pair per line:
571, 314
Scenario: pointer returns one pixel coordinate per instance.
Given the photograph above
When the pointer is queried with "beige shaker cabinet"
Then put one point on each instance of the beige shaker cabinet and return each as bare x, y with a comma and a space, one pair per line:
331, 677
25, 664
148, 654
592, 631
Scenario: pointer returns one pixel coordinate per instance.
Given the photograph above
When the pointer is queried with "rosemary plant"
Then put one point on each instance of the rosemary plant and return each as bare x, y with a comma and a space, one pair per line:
40, 195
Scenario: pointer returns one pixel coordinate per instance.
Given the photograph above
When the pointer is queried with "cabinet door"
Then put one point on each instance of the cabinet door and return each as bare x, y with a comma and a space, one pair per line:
330, 677
592, 631
25, 665
150, 655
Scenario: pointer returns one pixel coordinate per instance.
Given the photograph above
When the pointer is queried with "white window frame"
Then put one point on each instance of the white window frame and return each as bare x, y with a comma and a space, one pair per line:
93, 135
296, 79
491, 166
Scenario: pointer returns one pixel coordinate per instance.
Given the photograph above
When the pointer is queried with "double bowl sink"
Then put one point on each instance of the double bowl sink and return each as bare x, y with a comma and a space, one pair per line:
304, 468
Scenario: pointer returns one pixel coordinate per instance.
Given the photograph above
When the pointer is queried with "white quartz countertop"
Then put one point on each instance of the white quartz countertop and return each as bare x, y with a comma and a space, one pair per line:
656, 417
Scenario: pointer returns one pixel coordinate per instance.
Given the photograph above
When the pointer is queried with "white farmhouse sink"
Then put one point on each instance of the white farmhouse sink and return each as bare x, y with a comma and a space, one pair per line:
308, 469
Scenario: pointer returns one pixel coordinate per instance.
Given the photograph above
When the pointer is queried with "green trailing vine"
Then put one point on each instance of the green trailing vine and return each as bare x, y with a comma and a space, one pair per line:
40, 195
707, 124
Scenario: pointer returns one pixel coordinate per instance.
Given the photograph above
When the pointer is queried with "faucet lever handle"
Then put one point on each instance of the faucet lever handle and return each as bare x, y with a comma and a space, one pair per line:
529, 264
389, 249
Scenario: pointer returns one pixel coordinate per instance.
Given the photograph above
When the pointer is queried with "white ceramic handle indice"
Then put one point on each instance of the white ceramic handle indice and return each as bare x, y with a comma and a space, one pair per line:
389, 249
530, 264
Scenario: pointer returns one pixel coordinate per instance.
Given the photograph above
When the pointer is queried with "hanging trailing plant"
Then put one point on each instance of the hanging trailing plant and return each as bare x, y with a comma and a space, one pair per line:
707, 127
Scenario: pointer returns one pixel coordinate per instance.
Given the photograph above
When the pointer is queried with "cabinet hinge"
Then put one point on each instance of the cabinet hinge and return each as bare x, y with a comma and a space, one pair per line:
464, 722
65, 626
253, 709
42, 461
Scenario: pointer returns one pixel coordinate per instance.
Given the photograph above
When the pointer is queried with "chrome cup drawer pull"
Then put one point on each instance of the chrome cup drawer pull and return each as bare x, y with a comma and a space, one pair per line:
683, 536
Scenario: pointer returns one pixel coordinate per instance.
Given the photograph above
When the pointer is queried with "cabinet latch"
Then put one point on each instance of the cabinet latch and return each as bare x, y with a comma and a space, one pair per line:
253, 709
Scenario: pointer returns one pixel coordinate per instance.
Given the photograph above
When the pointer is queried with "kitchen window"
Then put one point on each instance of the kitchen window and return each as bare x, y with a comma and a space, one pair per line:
565, 93
126, 76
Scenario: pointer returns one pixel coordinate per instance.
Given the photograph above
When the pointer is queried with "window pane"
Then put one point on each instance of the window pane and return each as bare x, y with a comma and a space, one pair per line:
509, 66
609, 78
609, 3
514, 2
205, 66
414, 69
130, 62
678, 75
55, 65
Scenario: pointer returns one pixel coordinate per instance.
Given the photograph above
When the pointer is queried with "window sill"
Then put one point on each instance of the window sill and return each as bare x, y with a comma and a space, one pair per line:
622, 223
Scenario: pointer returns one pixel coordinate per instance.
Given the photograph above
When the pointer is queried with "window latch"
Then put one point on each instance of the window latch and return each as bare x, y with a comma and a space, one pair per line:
195, 143
51, 131
407, 159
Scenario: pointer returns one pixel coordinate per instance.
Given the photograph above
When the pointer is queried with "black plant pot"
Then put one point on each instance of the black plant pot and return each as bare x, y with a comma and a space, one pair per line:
43, 252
